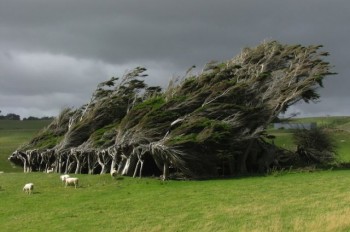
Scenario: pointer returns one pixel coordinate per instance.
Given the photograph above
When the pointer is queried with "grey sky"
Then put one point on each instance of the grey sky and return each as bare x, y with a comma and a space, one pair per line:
53, 53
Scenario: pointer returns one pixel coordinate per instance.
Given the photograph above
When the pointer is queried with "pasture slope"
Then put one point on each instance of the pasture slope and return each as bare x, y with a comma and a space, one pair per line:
13, 133
315, 201
281, 201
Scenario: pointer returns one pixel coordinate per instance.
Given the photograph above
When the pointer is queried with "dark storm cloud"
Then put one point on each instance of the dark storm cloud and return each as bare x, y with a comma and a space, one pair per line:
68, 46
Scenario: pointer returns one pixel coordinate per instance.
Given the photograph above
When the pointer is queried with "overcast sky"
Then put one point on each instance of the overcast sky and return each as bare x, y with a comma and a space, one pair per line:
53, 53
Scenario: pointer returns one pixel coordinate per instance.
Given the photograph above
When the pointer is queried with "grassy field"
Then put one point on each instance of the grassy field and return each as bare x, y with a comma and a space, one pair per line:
12, 135
317, 201
281, 201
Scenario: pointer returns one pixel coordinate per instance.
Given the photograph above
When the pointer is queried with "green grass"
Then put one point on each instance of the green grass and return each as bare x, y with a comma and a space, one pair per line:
315, 201
282, 201
12, 135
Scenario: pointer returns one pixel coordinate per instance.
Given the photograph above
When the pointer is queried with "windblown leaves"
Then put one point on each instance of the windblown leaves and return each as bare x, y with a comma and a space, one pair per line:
203, 122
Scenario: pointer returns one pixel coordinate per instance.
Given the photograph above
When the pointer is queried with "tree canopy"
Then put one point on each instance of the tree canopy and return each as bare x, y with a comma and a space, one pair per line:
209, 124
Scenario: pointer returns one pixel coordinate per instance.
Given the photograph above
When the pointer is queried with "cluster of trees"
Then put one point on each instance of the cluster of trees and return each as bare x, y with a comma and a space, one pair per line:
38, 118
12, 116
209, 124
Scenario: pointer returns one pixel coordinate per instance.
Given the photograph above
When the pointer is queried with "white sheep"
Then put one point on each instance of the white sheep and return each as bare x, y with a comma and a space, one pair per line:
114, 173
28, 188
71, 181
49, 170
63, 177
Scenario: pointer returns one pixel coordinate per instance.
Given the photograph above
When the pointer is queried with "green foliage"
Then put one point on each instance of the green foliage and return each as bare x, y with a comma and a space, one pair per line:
160, 116
45, 140
189, 85
264, 75
223, 110
218, 133
60, 124
178, 99
79, 134
194, 125
104, 136
179, 139
150, 104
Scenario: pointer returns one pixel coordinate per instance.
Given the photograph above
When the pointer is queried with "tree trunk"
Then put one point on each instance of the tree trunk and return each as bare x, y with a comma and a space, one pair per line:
126, 167
59, 169
141, 169
67, 165
103, 161
28, 161
230, 165
114, 163
166, 170
136, 168
70, 167
103, 169
25, 169
243, 161
121, 166
77, 168
90, 164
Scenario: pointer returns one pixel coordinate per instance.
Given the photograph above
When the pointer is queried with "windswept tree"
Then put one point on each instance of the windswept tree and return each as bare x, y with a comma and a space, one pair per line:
209, 124
108, 105
221, 114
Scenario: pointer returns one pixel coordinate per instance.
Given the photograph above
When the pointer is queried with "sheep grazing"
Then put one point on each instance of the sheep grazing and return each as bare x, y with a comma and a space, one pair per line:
28, 188
49, 170
63, 177
71, 181
114, 173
